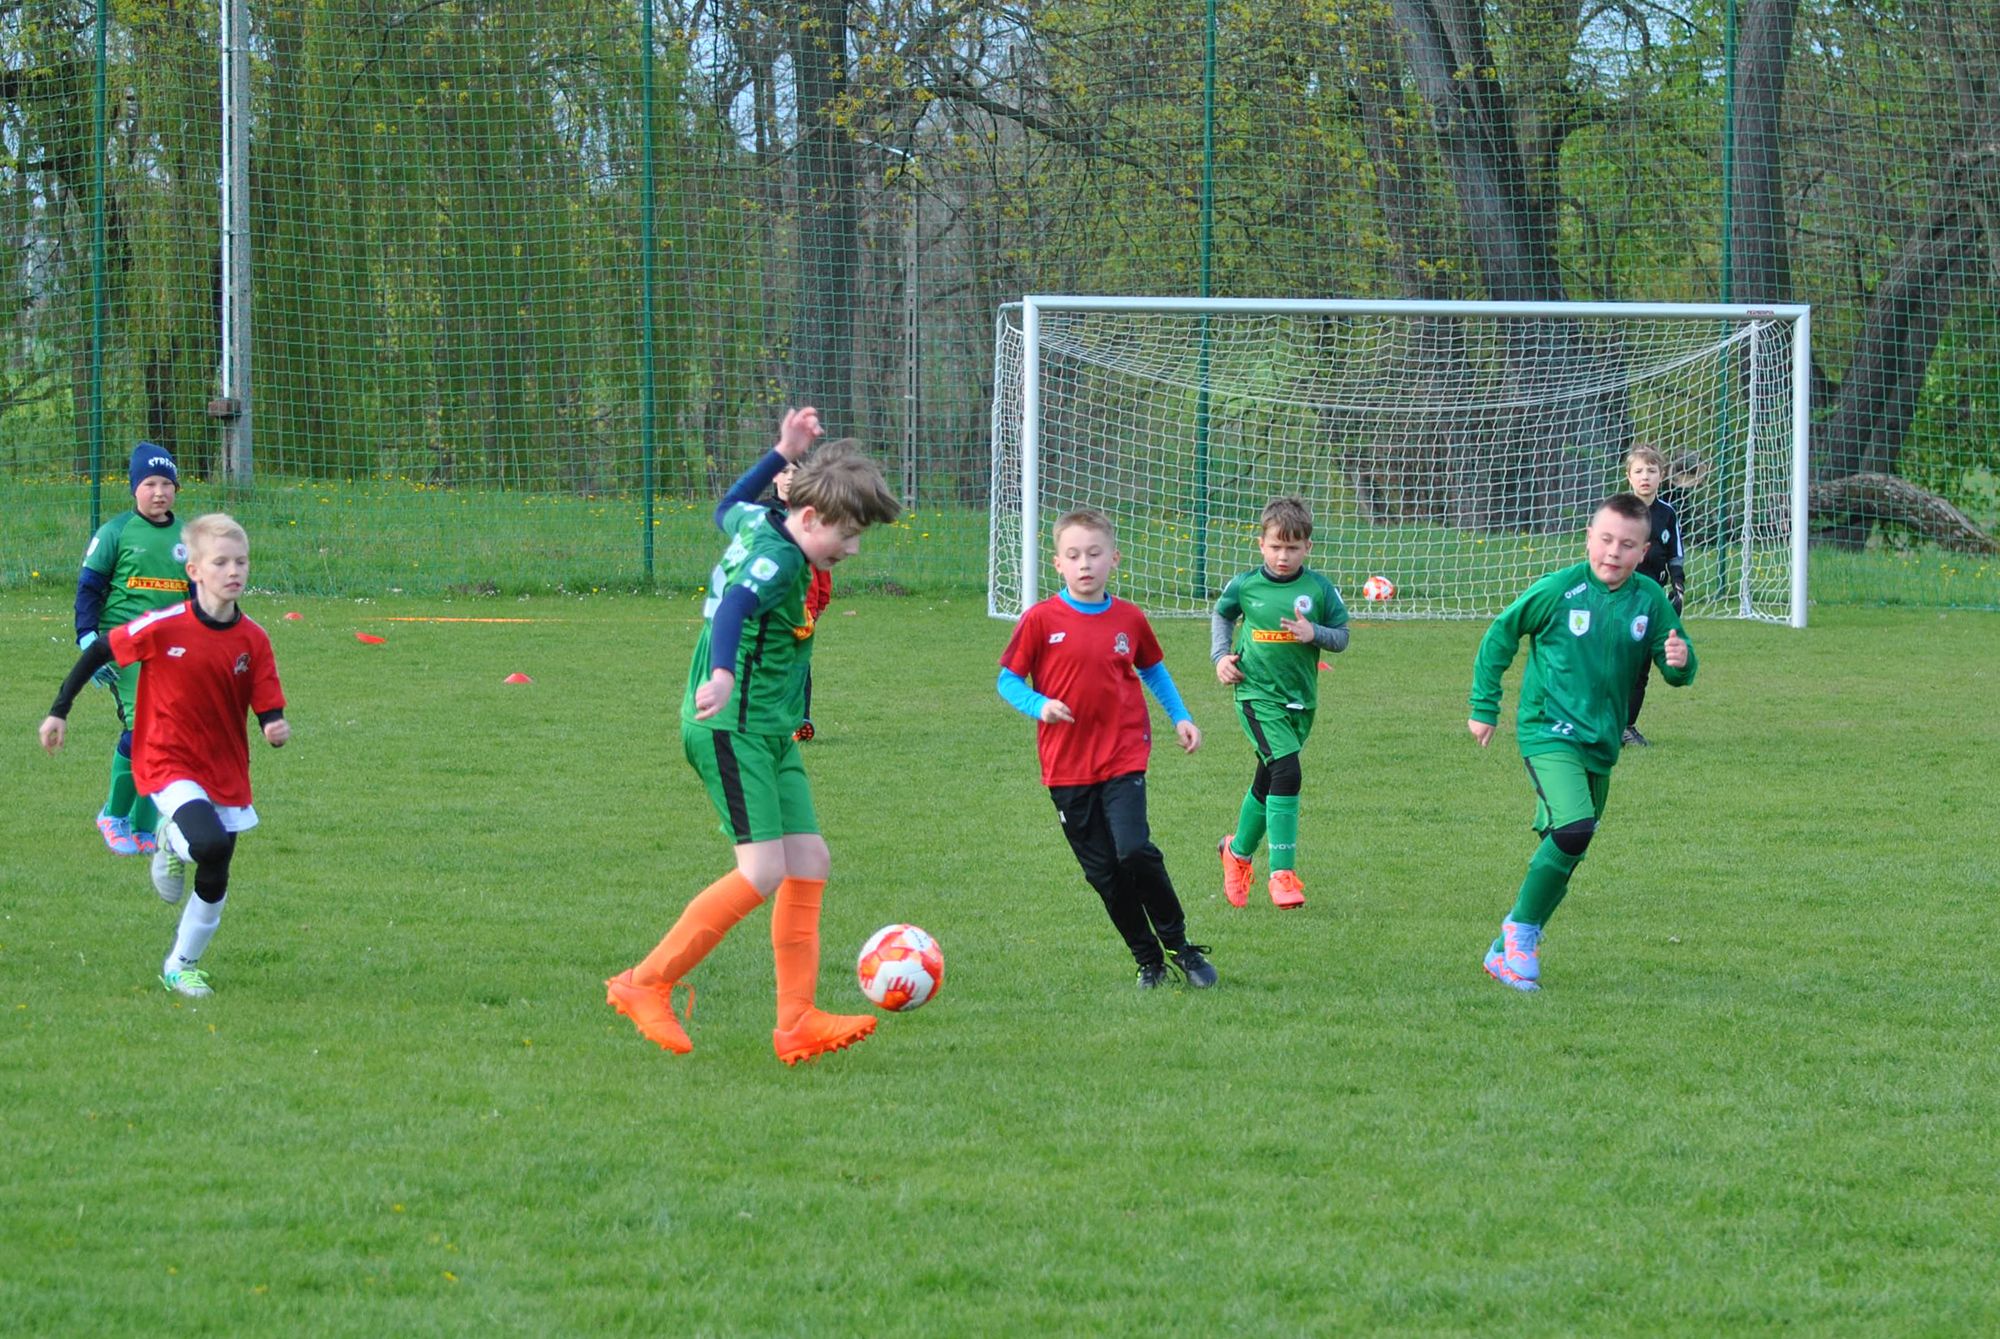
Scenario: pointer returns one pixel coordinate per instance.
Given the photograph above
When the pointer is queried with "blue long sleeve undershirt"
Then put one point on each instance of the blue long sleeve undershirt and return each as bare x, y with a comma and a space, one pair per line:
725, 629
92, 589
1015, 691
750, 485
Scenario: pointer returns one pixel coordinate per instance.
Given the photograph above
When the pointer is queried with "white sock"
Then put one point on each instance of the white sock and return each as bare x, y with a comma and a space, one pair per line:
198, 922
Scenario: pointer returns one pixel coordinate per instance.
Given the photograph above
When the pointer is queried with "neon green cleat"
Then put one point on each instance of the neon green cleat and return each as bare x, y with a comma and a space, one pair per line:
190, 981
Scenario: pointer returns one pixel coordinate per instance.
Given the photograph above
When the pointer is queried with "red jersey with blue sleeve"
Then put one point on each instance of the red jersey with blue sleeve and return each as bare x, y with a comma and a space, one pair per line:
1091, 662
201, 681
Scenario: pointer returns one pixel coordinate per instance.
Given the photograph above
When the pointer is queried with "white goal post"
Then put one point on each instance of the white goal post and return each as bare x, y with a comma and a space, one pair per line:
1455, 448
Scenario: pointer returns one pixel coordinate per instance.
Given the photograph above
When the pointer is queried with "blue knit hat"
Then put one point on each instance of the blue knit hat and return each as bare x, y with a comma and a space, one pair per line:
149, 460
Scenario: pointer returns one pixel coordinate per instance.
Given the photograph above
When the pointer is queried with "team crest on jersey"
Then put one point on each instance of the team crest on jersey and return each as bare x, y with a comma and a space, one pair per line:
1302, 606
1121, 645
176, 652
1639, 628
1055, 637
243, 663
1579, 622
764, 569
180, 553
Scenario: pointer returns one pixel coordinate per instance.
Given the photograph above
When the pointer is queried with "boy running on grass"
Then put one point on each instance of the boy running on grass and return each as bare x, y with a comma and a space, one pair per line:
744, 702
135, 563
1289, 614
1589, 627
1086, 654
1665, 560
208, 665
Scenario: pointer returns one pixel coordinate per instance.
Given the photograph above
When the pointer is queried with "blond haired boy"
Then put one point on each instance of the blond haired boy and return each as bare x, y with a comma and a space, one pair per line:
207, 666
1074, 665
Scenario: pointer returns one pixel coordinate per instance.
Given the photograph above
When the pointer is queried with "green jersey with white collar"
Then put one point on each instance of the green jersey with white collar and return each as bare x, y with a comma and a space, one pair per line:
1585, 645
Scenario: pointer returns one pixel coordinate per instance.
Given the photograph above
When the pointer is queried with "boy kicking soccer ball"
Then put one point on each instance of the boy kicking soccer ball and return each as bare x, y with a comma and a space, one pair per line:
740, 716
1588, 628
207, 666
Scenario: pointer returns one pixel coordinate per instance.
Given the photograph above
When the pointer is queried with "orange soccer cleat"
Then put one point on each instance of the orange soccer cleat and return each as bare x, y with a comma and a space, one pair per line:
1287, 893
819, 1032
651, 1009
1237, 873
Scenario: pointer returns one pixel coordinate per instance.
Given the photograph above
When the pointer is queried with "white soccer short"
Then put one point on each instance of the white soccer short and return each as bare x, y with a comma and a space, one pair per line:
235, 817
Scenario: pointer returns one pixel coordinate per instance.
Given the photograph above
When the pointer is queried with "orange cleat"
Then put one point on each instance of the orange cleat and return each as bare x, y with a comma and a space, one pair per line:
819, 1032
651, 1009
1236, 874
1287, 893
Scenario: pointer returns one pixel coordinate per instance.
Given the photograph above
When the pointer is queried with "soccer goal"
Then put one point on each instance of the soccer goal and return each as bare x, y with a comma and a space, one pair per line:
1454, 448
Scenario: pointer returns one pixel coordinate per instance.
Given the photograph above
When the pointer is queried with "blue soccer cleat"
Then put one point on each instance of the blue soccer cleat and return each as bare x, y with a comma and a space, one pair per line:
1522, 944
1497, 968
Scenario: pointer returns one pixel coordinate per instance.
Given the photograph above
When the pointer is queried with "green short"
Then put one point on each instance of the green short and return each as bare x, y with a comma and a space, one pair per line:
1566, 791
125, 693
1272, 730
757, 783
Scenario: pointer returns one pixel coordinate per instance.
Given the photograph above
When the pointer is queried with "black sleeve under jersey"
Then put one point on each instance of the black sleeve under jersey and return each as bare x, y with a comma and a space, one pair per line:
1676, 550
94, 658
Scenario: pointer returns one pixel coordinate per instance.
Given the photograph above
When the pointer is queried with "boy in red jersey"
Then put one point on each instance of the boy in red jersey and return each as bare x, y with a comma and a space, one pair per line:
206, 666
1086, 654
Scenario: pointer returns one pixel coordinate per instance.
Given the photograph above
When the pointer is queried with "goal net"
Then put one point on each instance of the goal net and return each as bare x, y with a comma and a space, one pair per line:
1456, 449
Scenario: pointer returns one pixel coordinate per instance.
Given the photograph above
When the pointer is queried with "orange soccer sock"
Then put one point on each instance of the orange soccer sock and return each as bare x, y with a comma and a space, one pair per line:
710, 916
795, 946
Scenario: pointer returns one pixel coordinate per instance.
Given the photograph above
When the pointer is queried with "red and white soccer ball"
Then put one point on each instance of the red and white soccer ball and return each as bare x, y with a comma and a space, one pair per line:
1379, 589
900, 968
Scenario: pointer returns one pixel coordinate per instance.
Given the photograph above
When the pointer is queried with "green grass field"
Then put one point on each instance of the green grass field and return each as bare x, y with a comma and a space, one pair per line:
1755, 1096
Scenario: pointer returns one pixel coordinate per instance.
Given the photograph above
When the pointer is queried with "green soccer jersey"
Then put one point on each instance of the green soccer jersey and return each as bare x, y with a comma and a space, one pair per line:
1277, 668
1585, 645
776, 649
145, 563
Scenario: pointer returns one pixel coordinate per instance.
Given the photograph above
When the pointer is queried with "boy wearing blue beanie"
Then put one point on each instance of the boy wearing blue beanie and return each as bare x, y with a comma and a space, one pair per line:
135, 564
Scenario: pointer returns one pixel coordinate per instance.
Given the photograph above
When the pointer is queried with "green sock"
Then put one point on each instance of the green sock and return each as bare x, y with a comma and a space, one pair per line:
1544, 885
123, 791
1249, 826
1282, 813
145, 815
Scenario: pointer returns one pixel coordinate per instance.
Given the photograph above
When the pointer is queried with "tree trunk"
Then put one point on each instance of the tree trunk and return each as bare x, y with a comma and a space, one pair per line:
1867, 498
1760, 267
1865, 418
1536, 475
822, 353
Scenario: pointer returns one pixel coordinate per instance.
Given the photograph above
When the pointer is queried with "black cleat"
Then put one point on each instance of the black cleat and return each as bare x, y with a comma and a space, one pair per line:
1633, 739
1152, 975
1194, 965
